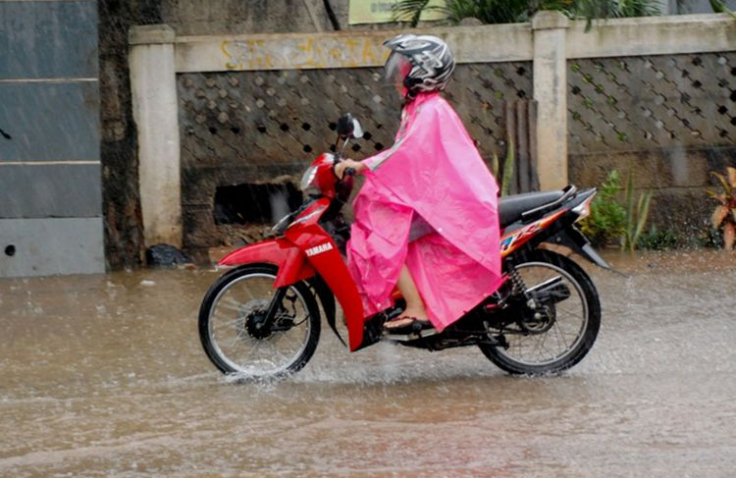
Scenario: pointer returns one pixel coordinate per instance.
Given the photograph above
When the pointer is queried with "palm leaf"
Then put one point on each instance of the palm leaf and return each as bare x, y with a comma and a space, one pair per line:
409, 10
718, 6
487, 11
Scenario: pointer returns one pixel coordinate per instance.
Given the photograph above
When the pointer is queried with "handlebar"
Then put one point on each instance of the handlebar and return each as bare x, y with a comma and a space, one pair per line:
348, 171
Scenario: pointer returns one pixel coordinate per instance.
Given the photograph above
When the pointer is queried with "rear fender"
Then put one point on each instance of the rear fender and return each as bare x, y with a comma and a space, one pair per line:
576, 241
291, 261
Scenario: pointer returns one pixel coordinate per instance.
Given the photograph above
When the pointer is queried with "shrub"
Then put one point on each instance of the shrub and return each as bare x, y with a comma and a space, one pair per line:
607, 219
658, 240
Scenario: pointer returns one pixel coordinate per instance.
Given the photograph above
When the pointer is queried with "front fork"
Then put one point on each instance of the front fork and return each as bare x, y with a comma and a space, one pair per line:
274, 307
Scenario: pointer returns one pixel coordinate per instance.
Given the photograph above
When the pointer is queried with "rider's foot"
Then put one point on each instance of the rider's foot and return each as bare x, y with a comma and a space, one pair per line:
408, 318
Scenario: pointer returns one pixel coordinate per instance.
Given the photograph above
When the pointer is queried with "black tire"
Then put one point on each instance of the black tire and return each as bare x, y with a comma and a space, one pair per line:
588, 330
225, 289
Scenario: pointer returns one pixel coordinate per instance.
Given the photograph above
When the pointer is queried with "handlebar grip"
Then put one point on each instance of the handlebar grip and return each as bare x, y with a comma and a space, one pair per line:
350, 172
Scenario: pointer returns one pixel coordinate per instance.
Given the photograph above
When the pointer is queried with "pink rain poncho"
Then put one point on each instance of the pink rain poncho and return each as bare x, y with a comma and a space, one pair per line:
433, 173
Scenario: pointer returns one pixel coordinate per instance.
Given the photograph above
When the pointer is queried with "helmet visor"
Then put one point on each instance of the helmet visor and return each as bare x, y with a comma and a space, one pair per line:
397, 68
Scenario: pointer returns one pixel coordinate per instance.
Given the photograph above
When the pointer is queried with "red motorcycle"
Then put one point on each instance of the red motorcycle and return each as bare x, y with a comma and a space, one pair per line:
262, 319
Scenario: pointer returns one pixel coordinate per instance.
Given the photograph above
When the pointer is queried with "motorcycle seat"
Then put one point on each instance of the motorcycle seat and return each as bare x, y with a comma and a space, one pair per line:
511, 208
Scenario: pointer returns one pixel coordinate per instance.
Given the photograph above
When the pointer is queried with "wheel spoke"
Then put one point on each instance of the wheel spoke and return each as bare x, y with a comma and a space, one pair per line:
235, 323
560, 335
231, 304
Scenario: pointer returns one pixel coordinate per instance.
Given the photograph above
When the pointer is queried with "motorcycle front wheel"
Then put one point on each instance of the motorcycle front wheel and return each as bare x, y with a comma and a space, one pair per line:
559, 333
236, 335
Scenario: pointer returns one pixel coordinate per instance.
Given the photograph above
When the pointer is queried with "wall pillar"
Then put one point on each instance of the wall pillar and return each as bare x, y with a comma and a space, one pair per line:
155, 111
550, 91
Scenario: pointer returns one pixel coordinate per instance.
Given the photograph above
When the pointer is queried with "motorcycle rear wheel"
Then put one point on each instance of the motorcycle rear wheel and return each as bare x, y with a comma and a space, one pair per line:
231, 318
574, 328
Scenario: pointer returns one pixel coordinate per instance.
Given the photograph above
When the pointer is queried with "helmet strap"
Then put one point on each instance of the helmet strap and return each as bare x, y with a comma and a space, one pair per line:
410, 83
411, 91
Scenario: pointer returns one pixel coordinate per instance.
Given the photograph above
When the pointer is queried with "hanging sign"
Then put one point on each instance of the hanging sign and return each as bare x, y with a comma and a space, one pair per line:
381, 11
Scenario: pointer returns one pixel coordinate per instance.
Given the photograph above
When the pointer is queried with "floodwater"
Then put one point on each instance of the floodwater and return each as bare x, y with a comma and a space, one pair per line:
105, 376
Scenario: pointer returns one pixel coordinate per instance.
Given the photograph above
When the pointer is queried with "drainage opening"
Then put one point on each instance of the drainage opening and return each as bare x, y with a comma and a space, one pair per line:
10, 251
255, 203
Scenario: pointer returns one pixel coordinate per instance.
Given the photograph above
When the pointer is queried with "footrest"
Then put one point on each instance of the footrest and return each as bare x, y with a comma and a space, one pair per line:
404, 336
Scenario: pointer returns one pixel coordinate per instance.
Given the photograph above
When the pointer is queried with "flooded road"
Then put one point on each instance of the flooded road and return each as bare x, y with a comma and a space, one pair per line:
105, 376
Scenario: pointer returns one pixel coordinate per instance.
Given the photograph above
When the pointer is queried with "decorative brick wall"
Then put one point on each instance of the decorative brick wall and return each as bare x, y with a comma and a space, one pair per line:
267, 126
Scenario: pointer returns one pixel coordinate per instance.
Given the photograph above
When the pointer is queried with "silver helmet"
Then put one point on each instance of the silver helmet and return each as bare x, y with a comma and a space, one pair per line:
421, 62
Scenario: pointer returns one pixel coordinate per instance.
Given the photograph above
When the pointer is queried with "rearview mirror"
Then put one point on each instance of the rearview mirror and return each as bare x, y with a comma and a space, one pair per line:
347, 127
357, 129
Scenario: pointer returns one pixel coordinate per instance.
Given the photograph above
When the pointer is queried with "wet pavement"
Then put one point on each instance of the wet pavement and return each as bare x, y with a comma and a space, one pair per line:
105, 376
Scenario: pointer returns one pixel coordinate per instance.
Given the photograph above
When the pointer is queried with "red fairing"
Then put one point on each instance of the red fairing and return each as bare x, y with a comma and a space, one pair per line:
291, 261
305, 249
326, 259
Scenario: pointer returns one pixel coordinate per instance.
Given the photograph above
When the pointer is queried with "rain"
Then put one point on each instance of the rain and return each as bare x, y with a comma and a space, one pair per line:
102, 369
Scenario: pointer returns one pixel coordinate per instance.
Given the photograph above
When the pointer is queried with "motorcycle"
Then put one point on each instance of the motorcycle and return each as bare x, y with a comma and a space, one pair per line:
262, 318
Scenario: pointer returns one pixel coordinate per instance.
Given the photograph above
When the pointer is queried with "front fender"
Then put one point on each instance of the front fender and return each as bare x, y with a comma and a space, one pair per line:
291, 261
327, 298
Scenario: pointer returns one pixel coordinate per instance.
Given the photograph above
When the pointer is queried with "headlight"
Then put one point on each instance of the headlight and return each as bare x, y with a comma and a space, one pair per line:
283, 223
307, 178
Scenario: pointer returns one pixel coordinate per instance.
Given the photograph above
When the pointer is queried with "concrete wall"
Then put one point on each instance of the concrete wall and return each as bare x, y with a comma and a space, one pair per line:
50, 194
218, 17
214, 17
119, 146
695, 6
653, 98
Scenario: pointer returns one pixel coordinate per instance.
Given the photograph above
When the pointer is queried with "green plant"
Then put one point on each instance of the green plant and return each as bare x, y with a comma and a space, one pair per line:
504, 183
636, 216
607, 219
657, 240
410, 10
512, 11
723, 218
710, 238
600, 9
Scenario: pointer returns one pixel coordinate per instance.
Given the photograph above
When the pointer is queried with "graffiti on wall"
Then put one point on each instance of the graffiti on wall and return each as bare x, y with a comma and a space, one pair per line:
302, 53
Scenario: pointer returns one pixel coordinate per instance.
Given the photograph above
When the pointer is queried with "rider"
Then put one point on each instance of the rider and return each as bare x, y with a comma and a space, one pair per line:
426, 218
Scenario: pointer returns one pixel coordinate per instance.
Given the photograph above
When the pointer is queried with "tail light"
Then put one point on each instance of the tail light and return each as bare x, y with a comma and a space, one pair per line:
583, 209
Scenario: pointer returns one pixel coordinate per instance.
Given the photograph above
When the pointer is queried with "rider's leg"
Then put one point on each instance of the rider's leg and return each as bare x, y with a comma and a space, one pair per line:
414, 303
